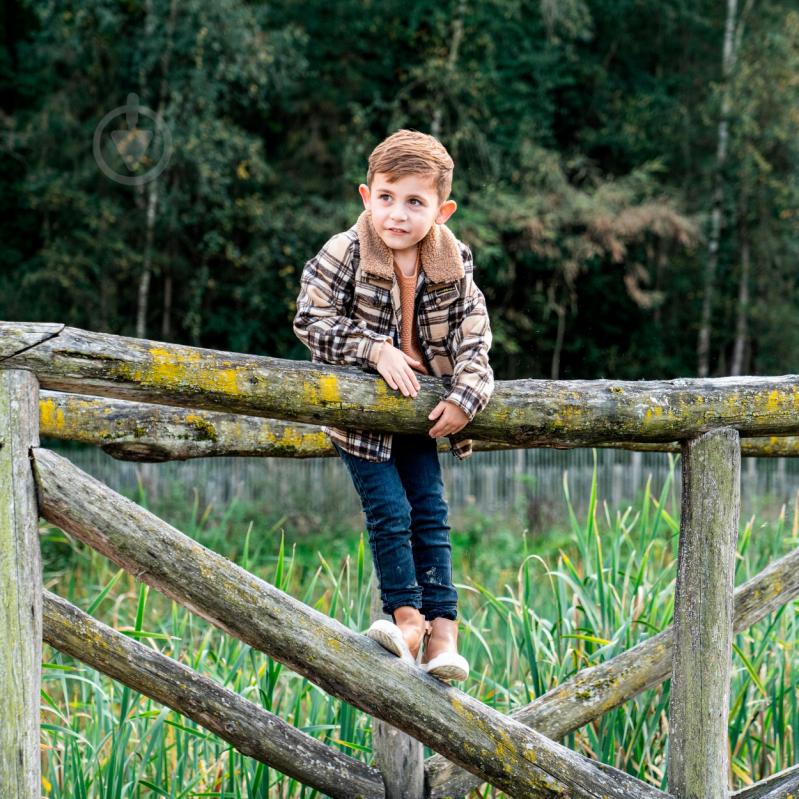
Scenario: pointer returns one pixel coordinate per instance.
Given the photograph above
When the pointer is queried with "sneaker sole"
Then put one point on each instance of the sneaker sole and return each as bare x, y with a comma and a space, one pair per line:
447, 667
388, 635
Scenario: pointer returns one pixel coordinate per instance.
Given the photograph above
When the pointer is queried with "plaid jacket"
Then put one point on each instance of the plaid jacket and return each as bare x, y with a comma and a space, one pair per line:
349, 303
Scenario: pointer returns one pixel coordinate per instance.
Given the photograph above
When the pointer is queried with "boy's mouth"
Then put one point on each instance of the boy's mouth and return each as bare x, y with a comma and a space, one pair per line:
397, 231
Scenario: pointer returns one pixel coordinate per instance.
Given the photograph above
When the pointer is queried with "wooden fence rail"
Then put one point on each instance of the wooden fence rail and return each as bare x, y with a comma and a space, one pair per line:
784, 785
521, 412
140, 431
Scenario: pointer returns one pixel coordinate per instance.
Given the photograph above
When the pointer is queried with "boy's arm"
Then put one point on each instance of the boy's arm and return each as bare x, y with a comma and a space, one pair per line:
470, 340
321, 323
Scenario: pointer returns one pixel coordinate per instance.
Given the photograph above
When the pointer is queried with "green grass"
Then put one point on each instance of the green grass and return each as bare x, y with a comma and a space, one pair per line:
534, 611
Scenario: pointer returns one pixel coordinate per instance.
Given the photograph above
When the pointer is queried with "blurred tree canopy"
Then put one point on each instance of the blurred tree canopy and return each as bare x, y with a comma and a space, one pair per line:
585, 135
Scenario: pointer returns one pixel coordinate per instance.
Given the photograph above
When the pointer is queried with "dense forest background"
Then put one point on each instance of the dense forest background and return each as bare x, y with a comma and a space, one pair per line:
627, 171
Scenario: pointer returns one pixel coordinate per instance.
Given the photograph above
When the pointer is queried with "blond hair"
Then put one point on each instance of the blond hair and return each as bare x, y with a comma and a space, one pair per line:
409, 152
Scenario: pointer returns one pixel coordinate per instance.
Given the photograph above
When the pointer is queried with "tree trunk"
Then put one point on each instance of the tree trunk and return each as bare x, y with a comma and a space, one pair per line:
144, 280
151, 20
555, 368
742, 312
452, 60
166, 319
716, 216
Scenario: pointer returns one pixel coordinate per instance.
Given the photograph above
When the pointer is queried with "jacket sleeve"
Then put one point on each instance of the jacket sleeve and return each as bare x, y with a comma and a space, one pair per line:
470, 340
326, 296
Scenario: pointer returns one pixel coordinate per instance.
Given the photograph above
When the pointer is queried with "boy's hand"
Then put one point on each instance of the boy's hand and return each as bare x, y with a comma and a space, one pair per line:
450, 419
395, 366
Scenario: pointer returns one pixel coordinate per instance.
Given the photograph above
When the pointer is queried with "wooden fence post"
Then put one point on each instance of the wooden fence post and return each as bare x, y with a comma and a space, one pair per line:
398, 756
20, 589
703, 616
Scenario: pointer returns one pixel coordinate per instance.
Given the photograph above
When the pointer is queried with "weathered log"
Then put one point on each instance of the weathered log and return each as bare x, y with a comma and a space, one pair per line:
140, 431
399, 757
20, 590
522, 412
593, 692
703, 616
18, 336
347, 665
252, 730
784, 785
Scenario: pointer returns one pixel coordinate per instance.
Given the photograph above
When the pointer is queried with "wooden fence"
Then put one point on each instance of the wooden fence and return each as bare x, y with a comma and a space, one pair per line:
152, 400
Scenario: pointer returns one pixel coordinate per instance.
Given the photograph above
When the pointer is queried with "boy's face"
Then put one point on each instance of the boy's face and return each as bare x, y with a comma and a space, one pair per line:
404, 211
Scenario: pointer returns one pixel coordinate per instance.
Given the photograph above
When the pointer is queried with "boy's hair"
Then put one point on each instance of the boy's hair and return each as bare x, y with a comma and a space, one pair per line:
408, 152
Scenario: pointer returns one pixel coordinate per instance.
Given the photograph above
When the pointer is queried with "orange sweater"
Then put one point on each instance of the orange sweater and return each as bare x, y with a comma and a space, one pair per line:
409, 335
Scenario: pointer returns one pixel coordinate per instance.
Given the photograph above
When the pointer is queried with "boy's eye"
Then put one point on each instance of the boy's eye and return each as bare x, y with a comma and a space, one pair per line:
414, 200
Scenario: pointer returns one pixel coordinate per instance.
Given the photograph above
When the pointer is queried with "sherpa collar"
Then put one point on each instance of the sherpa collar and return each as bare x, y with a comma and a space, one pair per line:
440, 255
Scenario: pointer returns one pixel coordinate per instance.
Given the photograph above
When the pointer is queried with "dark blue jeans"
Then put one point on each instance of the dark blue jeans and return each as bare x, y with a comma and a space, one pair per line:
406, 518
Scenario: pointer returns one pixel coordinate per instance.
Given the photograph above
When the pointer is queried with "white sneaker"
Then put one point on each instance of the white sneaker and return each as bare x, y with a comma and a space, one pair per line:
390, 637
447, 666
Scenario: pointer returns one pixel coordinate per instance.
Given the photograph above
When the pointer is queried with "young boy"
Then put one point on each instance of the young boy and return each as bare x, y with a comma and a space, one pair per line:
395, 293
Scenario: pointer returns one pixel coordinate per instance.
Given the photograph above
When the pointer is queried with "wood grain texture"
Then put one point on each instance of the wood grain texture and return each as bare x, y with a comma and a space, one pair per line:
20, 589
18, 336
594, 691
784, 785
348, 665
141, 431
521, 412
251, 729
703, 617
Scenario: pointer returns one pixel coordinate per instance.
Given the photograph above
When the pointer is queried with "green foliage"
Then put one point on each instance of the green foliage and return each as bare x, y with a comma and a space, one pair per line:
584, 135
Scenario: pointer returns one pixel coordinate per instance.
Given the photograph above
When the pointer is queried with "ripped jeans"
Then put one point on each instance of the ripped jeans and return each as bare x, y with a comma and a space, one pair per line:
406, 518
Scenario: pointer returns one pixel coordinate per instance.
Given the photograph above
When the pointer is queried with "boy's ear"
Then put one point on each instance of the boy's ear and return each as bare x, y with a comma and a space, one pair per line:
446, 211
363, 190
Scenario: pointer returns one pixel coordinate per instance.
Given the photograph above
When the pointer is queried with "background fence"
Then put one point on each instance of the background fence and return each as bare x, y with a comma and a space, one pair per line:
521, 487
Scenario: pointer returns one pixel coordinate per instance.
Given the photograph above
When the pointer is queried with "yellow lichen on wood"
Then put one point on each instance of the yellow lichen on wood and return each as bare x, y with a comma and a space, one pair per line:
506, 750
207, 428
388, 399
565, 417
291, 437
50, 417
169, 370
328, 389
325, 391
